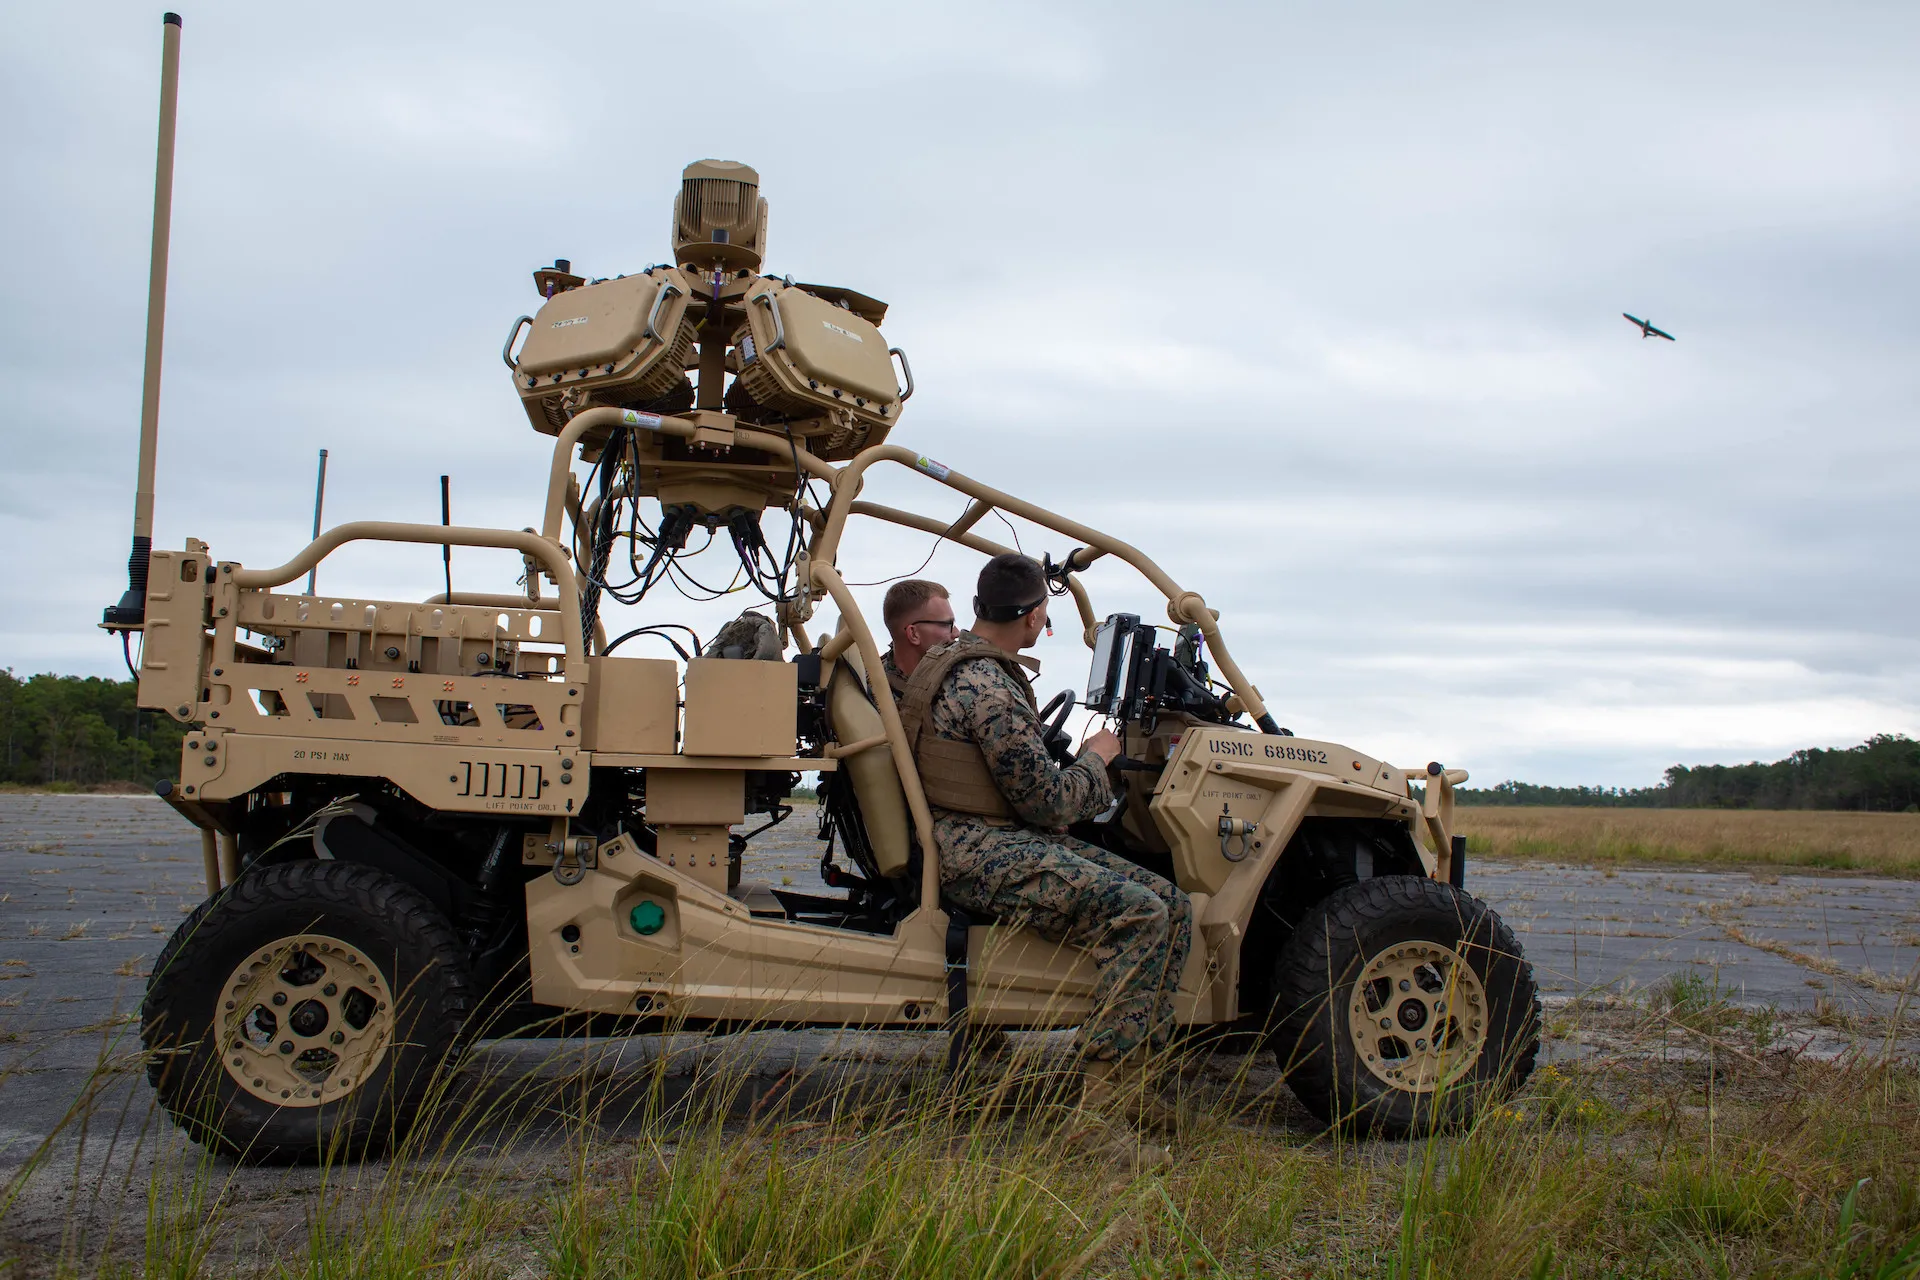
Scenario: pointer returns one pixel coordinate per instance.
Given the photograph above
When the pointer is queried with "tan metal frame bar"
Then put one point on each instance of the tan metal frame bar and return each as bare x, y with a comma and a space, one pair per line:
1182, 606
530, 544
826, 576
958, 532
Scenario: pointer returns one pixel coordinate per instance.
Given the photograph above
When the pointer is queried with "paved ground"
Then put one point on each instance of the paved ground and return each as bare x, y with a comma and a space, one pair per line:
90, 887
1768, 939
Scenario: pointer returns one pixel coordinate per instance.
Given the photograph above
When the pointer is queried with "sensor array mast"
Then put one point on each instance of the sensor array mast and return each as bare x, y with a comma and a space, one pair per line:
807, 364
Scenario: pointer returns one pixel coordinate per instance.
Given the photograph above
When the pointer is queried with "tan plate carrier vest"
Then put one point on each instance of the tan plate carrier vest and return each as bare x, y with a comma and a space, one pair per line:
954, 774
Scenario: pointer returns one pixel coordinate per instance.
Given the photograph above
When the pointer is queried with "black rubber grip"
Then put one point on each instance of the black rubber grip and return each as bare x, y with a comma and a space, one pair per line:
171, 20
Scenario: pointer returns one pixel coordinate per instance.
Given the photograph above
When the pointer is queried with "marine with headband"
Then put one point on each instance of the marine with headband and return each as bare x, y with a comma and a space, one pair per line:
1001, 806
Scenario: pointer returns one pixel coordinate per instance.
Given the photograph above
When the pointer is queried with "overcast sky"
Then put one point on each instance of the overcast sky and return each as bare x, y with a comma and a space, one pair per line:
1318, 304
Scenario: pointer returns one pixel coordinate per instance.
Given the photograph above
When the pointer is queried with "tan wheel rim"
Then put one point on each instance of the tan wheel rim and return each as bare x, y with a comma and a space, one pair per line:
304, 1020
1418, 1015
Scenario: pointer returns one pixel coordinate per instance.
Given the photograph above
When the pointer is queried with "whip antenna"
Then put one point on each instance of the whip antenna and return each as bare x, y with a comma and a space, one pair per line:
446, 548
131, 613
319, 497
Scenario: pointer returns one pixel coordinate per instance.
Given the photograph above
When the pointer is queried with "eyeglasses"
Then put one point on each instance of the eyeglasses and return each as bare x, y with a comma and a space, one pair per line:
951, 624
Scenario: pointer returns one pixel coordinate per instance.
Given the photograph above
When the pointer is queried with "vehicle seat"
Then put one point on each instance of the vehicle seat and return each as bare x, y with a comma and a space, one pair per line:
875, 778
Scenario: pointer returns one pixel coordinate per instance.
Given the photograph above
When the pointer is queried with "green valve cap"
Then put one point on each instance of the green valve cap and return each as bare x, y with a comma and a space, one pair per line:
647, 917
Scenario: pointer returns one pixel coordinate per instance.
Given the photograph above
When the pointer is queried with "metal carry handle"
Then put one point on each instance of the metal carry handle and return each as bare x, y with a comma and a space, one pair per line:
506, 351
779, 329
906, 369
659, 301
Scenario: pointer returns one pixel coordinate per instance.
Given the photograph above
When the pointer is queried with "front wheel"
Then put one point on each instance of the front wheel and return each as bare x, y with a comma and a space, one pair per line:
304, 1012
1403, 1004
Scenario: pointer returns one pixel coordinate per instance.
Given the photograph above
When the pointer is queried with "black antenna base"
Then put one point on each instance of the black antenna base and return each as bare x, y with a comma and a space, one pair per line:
131, 612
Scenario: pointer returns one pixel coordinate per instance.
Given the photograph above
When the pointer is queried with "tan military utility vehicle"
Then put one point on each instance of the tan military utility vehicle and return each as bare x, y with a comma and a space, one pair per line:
421, 818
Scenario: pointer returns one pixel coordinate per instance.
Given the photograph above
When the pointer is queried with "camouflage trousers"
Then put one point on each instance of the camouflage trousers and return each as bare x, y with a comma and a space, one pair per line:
1135, 925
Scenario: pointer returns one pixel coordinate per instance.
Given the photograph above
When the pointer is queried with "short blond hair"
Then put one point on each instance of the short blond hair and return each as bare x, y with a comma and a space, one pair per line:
905, 597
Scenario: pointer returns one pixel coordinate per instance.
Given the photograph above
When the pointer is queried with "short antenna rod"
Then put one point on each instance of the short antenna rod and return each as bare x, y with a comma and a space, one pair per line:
319, 499
131, 613
446, 548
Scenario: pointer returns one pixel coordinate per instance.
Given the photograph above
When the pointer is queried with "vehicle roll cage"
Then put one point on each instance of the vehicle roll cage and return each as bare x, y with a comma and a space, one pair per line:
546, 551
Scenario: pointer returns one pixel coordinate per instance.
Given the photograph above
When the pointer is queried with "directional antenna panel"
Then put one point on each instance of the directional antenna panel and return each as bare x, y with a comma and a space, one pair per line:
806, 357
624, 341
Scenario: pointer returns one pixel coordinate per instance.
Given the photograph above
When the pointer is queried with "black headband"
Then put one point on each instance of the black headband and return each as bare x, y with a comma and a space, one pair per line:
1003, 612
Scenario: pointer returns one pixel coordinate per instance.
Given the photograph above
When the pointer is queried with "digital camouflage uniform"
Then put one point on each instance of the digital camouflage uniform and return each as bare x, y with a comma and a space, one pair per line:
895, 677
1136, 926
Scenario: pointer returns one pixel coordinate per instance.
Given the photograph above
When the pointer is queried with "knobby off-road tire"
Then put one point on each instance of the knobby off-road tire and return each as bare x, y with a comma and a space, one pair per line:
302, 1013
1402, 1004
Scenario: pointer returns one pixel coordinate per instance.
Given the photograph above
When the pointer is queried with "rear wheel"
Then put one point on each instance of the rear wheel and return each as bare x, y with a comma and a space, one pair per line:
1403, 1004
304, 1012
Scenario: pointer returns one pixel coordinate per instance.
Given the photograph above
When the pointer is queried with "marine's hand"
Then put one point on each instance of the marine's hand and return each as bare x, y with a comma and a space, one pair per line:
1103, 744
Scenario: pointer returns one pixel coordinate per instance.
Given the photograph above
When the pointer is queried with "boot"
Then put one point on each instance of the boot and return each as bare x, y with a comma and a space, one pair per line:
1113, 1141
992, 1042
1125, 1087
984, 1043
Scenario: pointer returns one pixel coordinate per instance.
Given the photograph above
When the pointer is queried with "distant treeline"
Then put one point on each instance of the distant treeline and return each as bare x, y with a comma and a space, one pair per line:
79, 732
1882, 773
66, 730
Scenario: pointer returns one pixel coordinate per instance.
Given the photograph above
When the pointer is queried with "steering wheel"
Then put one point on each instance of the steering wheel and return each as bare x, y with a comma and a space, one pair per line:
1053, 730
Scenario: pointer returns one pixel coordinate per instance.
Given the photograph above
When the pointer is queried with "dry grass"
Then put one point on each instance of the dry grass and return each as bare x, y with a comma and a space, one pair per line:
1693, 1143
1883, 843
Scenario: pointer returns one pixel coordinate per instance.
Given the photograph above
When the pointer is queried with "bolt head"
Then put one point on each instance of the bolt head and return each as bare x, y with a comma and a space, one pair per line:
279, 997
286, 1046
338, 1037
331, 989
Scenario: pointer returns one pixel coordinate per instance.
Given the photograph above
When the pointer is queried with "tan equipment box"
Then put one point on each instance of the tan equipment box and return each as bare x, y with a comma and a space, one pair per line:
632, 705
740, 707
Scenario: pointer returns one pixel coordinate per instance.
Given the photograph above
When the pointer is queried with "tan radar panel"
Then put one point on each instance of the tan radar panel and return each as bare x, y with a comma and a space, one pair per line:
807, 356
622, 342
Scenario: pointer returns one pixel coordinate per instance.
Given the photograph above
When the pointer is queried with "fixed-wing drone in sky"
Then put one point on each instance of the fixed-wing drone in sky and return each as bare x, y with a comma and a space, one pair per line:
1647, 330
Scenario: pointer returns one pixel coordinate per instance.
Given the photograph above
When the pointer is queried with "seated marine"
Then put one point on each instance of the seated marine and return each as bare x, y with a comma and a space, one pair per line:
1000, 808
918, 617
